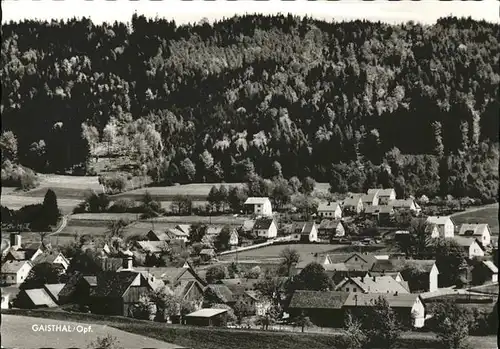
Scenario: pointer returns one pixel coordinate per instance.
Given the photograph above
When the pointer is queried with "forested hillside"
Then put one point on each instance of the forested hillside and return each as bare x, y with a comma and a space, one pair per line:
356, 104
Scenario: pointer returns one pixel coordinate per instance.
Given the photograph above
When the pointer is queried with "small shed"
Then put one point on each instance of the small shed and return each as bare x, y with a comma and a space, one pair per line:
207, 317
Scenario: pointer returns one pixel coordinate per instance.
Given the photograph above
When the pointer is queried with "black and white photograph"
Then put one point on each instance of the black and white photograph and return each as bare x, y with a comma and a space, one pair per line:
249, 174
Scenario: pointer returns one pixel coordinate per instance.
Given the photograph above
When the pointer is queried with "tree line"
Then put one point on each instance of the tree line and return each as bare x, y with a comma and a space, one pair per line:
406, 105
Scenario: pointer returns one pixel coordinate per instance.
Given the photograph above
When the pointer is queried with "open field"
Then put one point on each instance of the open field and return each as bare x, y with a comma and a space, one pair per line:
15, 202
220, 338
488, 215
17, 332
196, 191
104, 216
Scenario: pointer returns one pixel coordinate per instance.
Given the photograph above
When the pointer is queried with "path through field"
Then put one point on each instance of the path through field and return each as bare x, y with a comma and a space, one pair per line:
17, 332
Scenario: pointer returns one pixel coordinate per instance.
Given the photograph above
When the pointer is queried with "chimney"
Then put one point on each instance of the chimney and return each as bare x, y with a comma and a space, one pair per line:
15, 240
374, 278
128, 259
396, 293
362, 279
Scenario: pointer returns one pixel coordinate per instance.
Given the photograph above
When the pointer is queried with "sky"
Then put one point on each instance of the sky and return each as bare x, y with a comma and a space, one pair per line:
426, 11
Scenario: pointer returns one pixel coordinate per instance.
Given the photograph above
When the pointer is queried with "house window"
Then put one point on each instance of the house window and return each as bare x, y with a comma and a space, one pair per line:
347, 289
356, 259
354, 289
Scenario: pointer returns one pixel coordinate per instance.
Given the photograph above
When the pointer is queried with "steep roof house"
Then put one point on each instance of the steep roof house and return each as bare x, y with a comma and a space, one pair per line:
353, 204
324, 308
260, 206
304, 232
360, 261
176, 234
371, 198
265, 228
52, 257
480, 231
471, 246
53, 290
406, 204
15, 272
444, 225
409, 308
329, 229
330, 210
34, 298
117, 293
374, 284
426, 281
385, 196
483, 272
156, 235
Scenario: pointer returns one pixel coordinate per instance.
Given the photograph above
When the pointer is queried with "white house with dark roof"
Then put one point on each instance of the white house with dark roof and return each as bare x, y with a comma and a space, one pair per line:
406, 204
371, 198
385, 196
261, 205
444, 225
480, 231
305, 232
353, 203
330, 210
472, 247
265, 228
15, 272
375, 284
52, 257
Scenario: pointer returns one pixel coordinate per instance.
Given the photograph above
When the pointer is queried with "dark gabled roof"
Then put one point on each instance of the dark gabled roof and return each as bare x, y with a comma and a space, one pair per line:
47, 257
71, 285
318, 299
368, 258
263, 223
112, 284
159, 235
222, 292
353, 200
327, 224
12, 267
395, 265
401, 300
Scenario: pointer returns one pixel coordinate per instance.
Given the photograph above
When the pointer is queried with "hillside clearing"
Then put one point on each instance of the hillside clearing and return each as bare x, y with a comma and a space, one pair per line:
488, 215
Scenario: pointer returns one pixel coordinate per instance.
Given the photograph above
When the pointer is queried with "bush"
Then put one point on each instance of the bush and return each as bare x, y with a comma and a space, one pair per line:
18, 176
123, 206
115, 183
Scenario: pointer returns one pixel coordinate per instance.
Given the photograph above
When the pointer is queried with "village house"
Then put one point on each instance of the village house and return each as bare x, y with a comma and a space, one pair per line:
480, 231
218, 294
33, 299
113, 293
324, 308
154, 247
329, 229
19, 251
385, 196
406, 205
304, 232
408, 307
371, 198
330, 210
444, 226
185, 228
156, 235
360, 261
426, 281
470, 245
15, 272
207, 254
247, 225
265, 228
260, 206
484, 272
207, 317
174, 275
373, 284
176, 234
353, 204
385, 215
396, 275
52, 257
243, 290
312, 258
53, 290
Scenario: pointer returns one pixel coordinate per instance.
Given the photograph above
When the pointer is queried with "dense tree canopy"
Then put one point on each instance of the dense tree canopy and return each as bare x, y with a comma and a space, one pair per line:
280, 95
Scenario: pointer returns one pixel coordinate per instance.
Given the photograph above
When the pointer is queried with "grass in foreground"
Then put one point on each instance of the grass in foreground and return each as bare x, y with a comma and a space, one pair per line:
219, 338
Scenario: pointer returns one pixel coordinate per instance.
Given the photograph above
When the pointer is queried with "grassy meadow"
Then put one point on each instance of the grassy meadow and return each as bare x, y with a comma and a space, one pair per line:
488, 215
